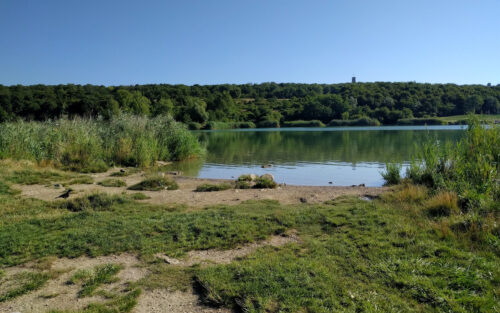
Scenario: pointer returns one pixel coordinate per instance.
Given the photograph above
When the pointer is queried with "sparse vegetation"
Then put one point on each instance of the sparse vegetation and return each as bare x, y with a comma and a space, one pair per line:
110, 182
21, 283
213, 187
155, 184
139, 196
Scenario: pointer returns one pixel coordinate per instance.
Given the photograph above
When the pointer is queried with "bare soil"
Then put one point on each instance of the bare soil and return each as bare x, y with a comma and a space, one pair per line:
58, 295
186, 195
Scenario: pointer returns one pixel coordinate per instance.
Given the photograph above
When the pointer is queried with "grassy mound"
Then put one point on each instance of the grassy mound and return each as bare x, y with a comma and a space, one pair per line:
110, 182
213, 187
155, 184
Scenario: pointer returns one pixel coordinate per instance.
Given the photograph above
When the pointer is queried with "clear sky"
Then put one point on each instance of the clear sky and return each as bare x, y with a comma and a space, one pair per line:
126, 42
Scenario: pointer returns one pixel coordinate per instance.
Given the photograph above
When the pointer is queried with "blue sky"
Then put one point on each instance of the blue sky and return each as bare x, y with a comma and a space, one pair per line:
214, 41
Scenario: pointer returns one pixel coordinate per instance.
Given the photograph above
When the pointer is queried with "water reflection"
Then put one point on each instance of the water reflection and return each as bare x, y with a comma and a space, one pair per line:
343, 156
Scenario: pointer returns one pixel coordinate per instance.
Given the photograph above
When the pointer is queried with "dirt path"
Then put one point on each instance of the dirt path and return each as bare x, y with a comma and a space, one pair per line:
186, 195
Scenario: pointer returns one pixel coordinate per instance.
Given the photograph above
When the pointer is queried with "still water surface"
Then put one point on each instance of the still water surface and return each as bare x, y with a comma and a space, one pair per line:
313, 156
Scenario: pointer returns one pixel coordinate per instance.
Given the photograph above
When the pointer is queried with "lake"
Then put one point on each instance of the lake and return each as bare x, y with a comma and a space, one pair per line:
339, 156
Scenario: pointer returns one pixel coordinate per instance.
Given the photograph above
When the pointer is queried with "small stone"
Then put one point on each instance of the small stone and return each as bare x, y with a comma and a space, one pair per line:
303, 200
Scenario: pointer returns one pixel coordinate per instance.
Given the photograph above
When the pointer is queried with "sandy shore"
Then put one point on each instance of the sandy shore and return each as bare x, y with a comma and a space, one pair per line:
285, 194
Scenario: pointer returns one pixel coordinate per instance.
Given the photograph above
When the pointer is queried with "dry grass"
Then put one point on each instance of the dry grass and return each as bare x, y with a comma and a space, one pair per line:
445, 203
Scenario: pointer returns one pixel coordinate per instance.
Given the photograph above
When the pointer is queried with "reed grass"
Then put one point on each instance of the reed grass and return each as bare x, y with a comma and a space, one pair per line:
93, 145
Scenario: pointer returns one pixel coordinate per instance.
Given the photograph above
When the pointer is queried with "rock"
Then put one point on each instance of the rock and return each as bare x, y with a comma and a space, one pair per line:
267, 176
253, 177
122, 170
361, 185
267, 165
57, 186
303, 200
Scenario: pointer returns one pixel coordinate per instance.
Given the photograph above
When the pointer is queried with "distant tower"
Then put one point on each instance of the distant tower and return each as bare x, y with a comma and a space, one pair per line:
489, 85
354, 79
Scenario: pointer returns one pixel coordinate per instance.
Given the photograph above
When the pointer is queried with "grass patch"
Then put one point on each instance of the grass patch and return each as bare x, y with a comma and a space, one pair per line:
103, 274
92, 202
20, 284
110, 182
155, 184
442, 204
139, 196
41, 177
213, 187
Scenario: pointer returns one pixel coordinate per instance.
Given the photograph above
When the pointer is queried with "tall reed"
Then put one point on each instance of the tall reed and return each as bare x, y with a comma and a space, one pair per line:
92, 145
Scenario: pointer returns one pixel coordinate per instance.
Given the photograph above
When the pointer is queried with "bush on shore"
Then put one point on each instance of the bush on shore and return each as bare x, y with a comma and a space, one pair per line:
363, 121
93, 145
421, 121
228, 125
300, 123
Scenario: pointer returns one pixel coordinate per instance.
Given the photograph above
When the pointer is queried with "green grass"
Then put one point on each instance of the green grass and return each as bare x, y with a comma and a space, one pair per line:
464, 118
20, 284
385, 255
90, 145
103, 274
110, 182
139, 196
213, 187
155, 184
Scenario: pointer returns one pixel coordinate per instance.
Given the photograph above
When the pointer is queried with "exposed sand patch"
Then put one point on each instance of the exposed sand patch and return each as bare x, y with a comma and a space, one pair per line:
227, 256
163, 301
57, 295
186, 195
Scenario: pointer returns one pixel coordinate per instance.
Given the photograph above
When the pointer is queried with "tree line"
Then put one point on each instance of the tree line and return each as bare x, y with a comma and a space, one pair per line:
266, 104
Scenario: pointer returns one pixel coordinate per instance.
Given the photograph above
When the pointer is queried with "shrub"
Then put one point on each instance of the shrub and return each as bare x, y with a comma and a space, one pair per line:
265, 182
110, 182
247, 177
194, 126
268, 124
155, 184
442, 204
421, 121
96, 201
392, 174
300, 123
213, 187
363, 121
243, 184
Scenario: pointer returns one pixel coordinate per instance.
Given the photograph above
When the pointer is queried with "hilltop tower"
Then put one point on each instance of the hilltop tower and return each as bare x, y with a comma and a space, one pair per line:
354, 79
